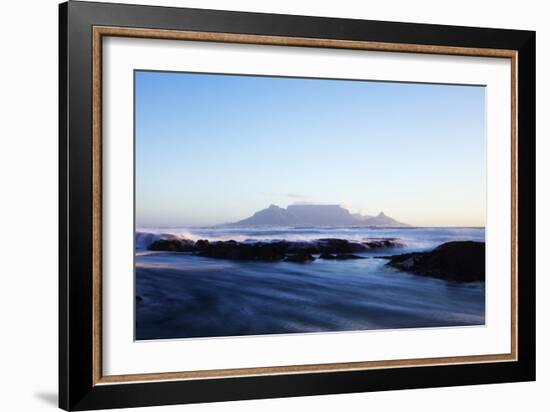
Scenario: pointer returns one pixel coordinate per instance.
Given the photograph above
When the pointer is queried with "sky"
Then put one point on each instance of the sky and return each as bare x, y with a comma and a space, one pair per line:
214, 148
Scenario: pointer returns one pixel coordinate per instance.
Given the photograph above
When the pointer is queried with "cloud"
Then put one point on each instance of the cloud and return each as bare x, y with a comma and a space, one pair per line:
305, 202
297, 196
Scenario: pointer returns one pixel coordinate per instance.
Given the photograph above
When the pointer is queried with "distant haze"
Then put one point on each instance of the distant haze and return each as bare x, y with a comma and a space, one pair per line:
213, 149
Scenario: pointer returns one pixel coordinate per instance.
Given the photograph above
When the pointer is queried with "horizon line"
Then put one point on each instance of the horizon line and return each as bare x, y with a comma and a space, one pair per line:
221, 225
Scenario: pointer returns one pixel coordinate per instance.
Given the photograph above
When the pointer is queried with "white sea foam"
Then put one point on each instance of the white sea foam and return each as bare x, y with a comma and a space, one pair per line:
412, 238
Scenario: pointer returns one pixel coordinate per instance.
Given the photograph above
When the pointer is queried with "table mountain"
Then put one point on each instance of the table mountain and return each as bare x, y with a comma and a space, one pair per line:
314, 215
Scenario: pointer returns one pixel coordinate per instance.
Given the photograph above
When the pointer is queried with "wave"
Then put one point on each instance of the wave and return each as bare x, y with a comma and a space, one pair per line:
419, 239
144, 239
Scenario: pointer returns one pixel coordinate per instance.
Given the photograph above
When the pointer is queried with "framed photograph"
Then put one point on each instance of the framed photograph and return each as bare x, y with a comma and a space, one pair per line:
256, 205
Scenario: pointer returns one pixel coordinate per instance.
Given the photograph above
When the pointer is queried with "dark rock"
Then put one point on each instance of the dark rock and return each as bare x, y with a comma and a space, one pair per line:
244, 251
172, 245
339, 256
339, 246
202, 244
329, 248
303, 247
381, 243
299, 258
331, 245
454, 261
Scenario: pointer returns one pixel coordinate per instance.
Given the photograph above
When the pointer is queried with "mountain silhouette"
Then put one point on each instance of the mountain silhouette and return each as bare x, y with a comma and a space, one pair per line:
314, 215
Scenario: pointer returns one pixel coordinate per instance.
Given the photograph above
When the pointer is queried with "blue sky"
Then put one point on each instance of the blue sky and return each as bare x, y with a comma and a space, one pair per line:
216, 148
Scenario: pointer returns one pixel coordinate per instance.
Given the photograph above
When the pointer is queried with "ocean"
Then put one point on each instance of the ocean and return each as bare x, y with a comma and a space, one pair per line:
181, 295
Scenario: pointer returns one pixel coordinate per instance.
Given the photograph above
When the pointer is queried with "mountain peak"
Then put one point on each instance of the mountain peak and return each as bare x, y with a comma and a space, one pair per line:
321, 215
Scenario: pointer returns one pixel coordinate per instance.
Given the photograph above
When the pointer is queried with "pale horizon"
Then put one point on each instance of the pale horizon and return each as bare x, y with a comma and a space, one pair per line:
214, 149
312, 204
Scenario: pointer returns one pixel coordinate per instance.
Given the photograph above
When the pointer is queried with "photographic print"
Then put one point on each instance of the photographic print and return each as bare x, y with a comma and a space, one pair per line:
280, 205
261, 205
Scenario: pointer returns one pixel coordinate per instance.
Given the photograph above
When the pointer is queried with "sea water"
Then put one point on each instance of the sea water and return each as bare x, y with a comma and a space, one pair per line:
181, 295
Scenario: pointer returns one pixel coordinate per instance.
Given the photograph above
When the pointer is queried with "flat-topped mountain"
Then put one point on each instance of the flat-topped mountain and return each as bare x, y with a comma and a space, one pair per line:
314, 215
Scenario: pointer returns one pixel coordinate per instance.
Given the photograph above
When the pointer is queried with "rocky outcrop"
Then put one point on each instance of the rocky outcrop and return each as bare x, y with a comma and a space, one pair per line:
299, 258
299, 251
172, 245
382, 243
233, 250
339, 246
453, 261
331, 245
339, 256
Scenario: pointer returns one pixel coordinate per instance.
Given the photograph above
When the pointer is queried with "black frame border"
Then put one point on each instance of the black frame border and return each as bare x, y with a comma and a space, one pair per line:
76, 388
